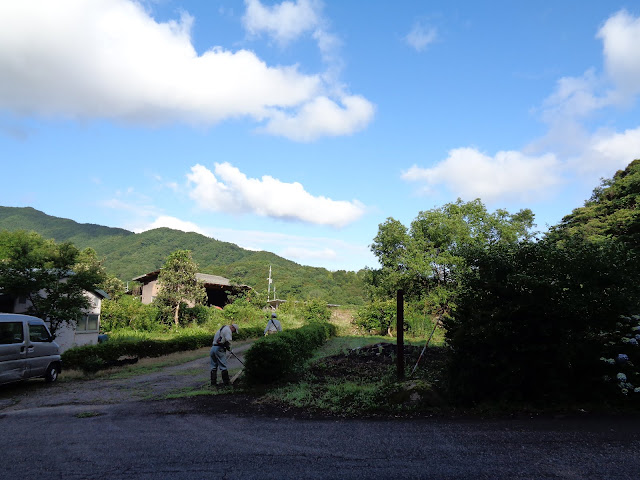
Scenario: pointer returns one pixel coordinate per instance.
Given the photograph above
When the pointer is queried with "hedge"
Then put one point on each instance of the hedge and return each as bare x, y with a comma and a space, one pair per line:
272, 357
91, 358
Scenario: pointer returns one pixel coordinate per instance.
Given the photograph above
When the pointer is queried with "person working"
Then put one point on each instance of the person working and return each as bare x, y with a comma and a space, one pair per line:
221, 343
273, 325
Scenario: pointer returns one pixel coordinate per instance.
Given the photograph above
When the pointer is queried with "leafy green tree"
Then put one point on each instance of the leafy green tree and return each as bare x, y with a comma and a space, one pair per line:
53, 277
612, 212
533, 320
129, 312
177, 283
114, 287
427, 258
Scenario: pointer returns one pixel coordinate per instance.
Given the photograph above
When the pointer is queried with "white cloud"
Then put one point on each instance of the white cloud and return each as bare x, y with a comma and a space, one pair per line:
620, 36
421, 36
171, 222
111, 59
285, 21
470, 174
609, 151
322, 117
577, 97
568, 147
228, 189
288, 21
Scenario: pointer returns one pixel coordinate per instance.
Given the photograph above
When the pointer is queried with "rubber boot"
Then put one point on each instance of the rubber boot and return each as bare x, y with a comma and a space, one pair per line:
225, 378
214, 377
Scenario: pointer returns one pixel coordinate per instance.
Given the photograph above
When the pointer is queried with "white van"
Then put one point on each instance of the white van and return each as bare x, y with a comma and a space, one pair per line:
27, 349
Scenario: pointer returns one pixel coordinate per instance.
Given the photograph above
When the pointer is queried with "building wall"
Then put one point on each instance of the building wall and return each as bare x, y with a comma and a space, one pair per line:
149, 291
68, 335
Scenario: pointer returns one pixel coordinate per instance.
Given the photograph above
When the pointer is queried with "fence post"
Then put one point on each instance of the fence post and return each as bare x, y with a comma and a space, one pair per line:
400, 334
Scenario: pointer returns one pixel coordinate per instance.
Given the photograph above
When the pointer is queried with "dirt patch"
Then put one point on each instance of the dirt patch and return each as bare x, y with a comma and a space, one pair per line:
378, 359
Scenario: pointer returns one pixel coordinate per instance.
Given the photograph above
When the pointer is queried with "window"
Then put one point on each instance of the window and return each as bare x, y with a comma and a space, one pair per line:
88, 323
11, 332
38, 333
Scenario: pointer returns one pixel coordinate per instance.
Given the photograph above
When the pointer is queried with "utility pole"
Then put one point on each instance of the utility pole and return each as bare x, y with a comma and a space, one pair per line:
400, 334
269, 285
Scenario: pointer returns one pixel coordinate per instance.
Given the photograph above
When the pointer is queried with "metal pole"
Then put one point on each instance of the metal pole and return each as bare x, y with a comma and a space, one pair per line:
400, 334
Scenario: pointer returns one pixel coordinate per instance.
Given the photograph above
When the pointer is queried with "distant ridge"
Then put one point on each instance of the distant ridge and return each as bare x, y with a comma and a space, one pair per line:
127, 255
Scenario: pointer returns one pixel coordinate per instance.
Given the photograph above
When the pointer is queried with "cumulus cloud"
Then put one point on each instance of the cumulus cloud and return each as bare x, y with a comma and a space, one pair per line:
285, 21
612, 149
111, 59
421, 36
470, 174
228, 189
569, 147
322, 117
620, 36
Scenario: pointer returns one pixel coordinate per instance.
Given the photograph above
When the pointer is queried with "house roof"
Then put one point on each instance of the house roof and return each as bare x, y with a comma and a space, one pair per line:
207, 279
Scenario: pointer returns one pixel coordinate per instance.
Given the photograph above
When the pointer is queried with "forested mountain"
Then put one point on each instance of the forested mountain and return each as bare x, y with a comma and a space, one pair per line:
128, 255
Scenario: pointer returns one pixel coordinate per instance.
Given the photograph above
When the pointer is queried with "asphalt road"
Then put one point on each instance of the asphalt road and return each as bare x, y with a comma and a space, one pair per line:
124, 429
168, 440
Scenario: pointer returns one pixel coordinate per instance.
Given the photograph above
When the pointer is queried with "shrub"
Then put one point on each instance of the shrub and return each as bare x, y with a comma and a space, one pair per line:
315, 311
532, 321
272, 357
243, 312
196, 315
128, 312
377, 317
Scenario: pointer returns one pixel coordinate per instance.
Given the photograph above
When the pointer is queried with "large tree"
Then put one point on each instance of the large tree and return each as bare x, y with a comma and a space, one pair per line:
178, 283
53, 277
612, 212
425, 259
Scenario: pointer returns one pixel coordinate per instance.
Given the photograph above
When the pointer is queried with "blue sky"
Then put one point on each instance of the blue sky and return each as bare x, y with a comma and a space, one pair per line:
298, 127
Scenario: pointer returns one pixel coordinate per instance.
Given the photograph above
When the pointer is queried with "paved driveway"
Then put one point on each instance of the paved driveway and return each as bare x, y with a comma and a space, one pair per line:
51, 433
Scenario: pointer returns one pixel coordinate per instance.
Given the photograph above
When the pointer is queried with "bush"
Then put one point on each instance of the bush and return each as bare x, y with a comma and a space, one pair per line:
377, 317
243, 312
272, 357
196, 315
128, 312
315, 311
532, 321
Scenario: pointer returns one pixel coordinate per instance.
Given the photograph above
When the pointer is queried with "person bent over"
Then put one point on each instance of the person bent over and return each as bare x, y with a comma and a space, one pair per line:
273, 325
221, 344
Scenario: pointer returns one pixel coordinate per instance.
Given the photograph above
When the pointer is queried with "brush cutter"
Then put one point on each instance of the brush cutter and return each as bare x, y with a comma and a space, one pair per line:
235, 377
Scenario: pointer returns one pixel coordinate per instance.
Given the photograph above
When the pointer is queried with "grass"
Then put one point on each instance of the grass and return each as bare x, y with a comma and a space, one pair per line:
142, 367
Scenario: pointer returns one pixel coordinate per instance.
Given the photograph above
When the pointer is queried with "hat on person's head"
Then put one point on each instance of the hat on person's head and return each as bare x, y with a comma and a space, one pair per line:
273, 315
235, 325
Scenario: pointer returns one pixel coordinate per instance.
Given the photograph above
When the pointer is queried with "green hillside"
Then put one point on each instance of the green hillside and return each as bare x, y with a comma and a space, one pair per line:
128, 255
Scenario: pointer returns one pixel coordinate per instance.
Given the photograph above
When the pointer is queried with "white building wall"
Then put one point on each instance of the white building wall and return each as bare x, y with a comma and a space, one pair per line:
67, 336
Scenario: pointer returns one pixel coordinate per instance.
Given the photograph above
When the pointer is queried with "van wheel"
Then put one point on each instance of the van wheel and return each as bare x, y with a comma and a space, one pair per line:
51, 375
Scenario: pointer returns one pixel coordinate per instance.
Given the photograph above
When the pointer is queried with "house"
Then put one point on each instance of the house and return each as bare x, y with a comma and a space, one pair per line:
67, 335
218, 288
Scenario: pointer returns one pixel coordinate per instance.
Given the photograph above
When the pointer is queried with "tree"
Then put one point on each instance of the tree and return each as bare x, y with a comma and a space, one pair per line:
612, 212
178, 283
425, 259
533, 320
53, 277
